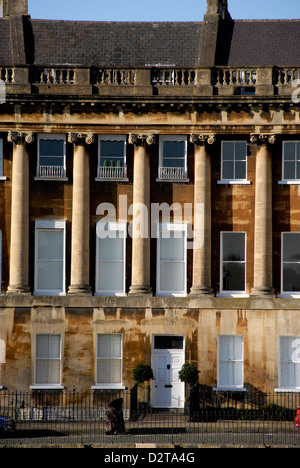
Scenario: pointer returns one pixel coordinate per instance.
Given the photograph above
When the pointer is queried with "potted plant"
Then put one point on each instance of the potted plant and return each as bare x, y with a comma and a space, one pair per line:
141, 374
189, 374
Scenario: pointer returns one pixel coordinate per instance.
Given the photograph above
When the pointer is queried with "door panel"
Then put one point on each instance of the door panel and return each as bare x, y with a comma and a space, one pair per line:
167, 389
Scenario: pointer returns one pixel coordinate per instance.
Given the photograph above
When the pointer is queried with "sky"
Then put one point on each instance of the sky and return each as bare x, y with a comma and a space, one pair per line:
158, 10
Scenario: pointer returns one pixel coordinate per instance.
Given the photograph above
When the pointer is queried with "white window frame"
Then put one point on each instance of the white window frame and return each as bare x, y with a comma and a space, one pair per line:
50, 226
226, 293
53, 176
283, 293
2, 177
108, 385
234, 180
111, 227
168, 227
43, 385
172, 178
104, 174
294, 361
238, 387
289, 181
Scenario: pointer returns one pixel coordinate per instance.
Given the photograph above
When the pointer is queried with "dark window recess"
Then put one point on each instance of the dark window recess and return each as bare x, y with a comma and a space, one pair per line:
244, 91
168, 342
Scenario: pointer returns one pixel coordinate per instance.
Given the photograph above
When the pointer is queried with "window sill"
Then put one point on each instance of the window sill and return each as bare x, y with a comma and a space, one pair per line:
229, 389
233, 294
110, 294
47, 387
52, 179
3, 179
234, 182
108, 387
49, 293
287, 390
289, 182
104, 179
174, 181
289, 296
170, 294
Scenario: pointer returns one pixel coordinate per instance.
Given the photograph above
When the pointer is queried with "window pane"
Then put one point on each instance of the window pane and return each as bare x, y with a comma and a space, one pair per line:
228, 151
112, 249
172, 277
289, 170
52, 147
172, 249
291, 247
240, 151
50, 245
174, 162
111, 276
109, 371
52, 161
109, 346
50, 276
168, 342
289, 151
233, 276
240, 170
174, 149
113, 149
228, 170
291, 277
233, 246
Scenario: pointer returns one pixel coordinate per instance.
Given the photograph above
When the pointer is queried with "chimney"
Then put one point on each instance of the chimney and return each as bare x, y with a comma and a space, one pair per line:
217, 13
218, 7
14, 7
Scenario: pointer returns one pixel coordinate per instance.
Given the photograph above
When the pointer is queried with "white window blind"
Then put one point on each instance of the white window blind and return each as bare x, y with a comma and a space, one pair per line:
50, 258
172, 260
289, 362
231, 362
111, 259
109, 360
48, 360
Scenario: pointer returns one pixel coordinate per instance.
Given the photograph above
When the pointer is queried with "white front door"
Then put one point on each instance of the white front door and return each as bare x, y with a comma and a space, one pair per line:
167, 361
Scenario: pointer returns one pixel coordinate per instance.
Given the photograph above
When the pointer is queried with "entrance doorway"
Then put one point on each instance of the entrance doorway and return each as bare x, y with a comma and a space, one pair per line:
168, 357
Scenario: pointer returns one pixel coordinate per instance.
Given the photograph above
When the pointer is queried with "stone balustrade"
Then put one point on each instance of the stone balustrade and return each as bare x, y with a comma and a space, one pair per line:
151, 81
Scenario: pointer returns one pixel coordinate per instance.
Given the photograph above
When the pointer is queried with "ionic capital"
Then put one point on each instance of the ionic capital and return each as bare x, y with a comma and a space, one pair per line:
262, 138
77, 138
20, 137
202, 139
141, 139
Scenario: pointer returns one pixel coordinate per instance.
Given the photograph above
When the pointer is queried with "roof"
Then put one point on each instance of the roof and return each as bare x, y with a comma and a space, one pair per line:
5, 45
260, 43
125, 44
139, 44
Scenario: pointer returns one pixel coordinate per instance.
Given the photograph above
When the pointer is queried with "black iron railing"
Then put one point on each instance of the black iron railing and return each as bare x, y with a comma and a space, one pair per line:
209, 417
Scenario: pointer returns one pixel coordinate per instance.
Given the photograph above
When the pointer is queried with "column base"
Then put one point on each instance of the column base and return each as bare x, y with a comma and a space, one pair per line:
18, 290
198, 291
79, 290
140, 290
262, 291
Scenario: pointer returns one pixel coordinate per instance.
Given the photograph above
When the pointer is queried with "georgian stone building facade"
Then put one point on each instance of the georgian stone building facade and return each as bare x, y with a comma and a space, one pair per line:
149, 203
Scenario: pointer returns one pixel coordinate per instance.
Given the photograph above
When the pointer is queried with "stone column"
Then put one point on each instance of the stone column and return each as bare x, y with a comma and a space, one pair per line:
263, 234
140, 281
80, 253
19, 242
202, 216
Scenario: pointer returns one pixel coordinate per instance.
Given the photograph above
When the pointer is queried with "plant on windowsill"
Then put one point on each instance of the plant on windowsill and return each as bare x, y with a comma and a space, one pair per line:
141, 374
189, 374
